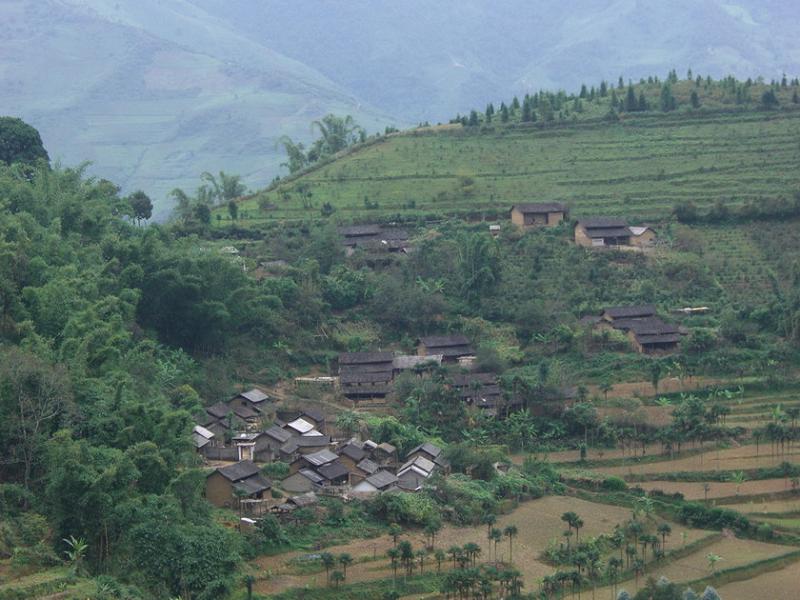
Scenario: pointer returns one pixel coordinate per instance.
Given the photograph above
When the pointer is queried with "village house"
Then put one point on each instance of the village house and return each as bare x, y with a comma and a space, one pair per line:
378, 482
305, 480
350, 455
374, 238
300, 445
414, 473
430, 452
325, 464
203, 438
385, 455
450, 347
285, 511
254, 399
549, 214
482, 390
365, 375
601, 232
647, 333
226, 486
314, 416
261, 446
235, 417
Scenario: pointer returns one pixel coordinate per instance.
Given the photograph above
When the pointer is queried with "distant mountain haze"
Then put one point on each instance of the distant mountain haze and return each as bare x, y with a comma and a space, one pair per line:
155, 92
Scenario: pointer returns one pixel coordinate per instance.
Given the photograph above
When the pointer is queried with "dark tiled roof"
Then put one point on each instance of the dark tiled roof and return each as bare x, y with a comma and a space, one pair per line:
442, 341
367, 391
219, 410
353, 452
609, 232
279, 434
646, 326
631, 312
253, 485
368, 466
255, 396
360, 230
312, 475
365, 377
245, 412
363, 358
333, 470
427, 448
382, 479
603, 223
313, 413
238, 471
466, 379
306, 499
320, 458
545, 207
667, 338
455, 351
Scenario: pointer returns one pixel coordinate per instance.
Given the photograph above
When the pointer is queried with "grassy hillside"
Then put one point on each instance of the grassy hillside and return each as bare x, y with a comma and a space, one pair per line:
639, 167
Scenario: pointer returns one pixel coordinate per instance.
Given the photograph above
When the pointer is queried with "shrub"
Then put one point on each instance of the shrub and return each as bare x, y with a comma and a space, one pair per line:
276, 470
704, 517
614, 484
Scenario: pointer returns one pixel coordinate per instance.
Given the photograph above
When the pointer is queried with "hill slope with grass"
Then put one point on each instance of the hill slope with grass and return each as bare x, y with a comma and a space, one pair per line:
637, 164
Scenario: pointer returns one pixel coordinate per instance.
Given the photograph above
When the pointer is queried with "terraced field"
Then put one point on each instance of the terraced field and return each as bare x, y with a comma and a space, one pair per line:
640, 167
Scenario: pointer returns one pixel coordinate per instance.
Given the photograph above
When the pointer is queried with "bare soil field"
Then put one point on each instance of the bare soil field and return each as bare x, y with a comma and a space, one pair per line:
734, 553
770, 507
538, 522
743, 457
693, 490
777, 585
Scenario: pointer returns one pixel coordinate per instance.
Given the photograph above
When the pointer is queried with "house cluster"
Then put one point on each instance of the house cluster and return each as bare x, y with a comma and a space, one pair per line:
247, 427
590, 232
647, 333
374, 239
351, 469
368, 375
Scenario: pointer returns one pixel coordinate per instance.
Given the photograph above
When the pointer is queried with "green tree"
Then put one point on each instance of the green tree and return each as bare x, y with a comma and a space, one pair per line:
20, 142
141, 206
511, 532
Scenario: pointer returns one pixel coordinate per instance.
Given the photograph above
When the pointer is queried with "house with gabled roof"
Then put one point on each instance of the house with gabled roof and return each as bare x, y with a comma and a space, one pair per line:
648, 334
305, 444
378, 482
413, 474
374, 238
226, 486
365, 374
597, 232
450, 347
545, 214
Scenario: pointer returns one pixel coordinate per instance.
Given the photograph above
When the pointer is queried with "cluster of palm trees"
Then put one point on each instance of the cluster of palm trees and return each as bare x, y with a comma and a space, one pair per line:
336, 134
632, 539
216, 190
479, 583
329, 561
781, 430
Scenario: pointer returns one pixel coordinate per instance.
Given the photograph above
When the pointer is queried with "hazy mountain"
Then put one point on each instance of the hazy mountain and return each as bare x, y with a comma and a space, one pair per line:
156, 92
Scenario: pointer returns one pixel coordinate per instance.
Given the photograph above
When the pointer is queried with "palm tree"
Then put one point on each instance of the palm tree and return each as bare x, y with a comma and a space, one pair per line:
328, 561
454, 552
664, 530
495, 535
394, 555
337, 134
406, 555
440, 556
395, 531
489, 519
336, 578
511, 532
345, 560
472, 551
